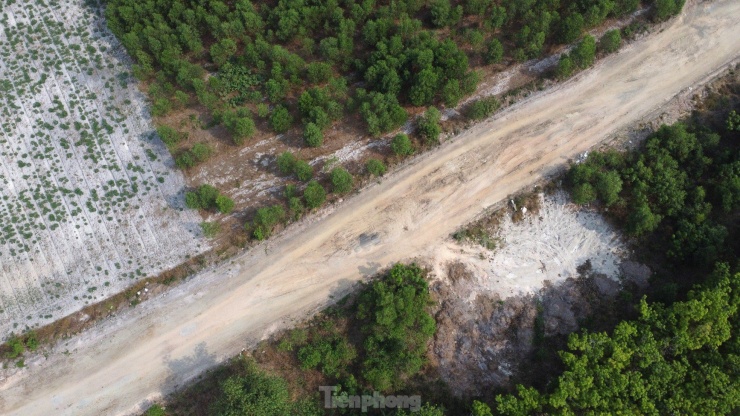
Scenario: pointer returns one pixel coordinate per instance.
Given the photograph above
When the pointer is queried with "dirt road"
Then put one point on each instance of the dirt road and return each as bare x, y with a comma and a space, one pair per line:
113, 368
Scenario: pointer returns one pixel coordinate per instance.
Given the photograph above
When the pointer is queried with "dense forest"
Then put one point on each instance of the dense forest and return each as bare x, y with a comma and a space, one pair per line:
312, 62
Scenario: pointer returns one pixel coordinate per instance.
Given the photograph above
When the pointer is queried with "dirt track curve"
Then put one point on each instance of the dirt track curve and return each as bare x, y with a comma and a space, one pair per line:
115, 367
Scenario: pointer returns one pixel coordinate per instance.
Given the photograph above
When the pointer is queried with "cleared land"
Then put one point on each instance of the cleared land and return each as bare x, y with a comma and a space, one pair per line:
88, 203
162, 343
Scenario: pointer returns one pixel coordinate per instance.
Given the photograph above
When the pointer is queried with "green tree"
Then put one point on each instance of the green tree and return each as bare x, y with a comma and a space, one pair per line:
244, 128
265, 221
565, 67
452, 93
401, 145
440, 11
611, 41
495, 52
280, 120
341, 180
733, 121
375, 167
312, 135
583, 193
303, 171
222, 51
285, 162
314, 195
225, 204
584, 54
396, 325
608, 186
428, 125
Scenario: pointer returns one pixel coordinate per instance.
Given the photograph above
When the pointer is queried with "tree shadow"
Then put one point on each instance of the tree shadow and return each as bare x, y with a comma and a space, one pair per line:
184, 369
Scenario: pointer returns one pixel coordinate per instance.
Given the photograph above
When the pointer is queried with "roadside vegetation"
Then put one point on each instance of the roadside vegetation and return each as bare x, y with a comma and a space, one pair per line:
305, 70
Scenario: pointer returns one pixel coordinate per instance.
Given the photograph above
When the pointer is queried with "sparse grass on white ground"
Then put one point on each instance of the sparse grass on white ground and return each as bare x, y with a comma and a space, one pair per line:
548, 246
89, 200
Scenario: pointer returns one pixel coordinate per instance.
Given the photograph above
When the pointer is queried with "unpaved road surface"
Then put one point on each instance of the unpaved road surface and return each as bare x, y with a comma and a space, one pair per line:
113, 368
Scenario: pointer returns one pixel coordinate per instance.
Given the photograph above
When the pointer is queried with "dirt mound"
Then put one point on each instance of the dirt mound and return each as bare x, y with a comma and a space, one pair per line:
482, 344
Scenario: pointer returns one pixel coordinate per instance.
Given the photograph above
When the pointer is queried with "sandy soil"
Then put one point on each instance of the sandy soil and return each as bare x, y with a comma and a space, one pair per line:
546, 247
85, 211
115, 367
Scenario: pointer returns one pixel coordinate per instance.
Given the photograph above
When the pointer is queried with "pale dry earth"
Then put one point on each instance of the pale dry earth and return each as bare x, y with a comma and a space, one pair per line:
115, 367
90, 201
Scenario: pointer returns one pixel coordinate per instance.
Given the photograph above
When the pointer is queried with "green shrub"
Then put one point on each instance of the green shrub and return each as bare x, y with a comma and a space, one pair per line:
185, 160
584, 54
375, 167
15, 343
161, 107
262, 110
312, 135
584, 193
611, 41
201, 152
280, 120
207, 195
243, 129
341, 180
286, 162
495, 52
314, 195
192, 200
401, 145
265, 220
483, 108
303, 171
565, 67
296, 208
169, 136
428, 125
210, 229
225, 204
155, 410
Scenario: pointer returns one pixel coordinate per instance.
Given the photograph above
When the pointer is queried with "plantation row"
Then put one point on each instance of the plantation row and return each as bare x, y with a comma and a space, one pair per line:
314, 62
84, 184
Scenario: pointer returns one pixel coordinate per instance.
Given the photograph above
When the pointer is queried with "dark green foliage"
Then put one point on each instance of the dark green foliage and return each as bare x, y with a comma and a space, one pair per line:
375, 167
16, 346
207, 197
169, 136
280, 120
314, 195
381, 112
155, 410
396, 326
611, 41
565, 67
285, 162
341, 180
255, 393
318, 72
571, 28
400, 58
733, 121
244, 128
401, 145
225, 204
303, 171
265, 221
428, 126
668, 188
679, 359
663, 9
482, 108
584, 54
495, 52
331, 354
312, 135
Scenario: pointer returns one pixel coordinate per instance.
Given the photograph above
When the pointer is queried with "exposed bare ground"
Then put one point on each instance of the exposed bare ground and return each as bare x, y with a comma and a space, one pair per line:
150, 350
